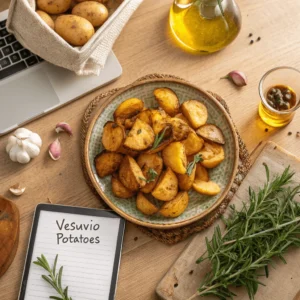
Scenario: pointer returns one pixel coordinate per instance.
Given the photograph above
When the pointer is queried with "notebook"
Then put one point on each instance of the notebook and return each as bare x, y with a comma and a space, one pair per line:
88, 243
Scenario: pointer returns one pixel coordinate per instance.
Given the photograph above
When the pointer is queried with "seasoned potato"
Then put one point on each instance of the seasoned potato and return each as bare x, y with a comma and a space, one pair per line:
206, 187
129, 108
94, 12
211, 133
160, 147
130, 174
145, 206
180, 130
118, 189
185, 181
113, 136
212, 155
201, 173
46, 18
54, 6
140, 137
151, 166
159, 120
73, 29
193, 143
183, 118
128, 151
175, 207
167, 186
144, 115
174, 157
167, 100
107, 163
195, 112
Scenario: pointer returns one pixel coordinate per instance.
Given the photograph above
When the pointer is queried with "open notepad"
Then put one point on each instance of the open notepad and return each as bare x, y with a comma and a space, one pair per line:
88, 243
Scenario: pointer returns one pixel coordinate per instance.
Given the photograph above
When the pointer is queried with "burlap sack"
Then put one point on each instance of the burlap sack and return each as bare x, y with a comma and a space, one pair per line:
40, 39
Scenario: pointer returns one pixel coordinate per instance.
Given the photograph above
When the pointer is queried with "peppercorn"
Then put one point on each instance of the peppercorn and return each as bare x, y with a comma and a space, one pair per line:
251, 42
290, 133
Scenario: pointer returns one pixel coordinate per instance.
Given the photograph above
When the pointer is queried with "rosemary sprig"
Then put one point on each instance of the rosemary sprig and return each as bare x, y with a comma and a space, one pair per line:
159, 138
264, 229
53, 278
152, 174
191, 165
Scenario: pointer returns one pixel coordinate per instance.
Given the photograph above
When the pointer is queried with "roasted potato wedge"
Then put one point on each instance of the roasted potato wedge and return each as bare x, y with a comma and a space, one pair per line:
174, 157
201, 173
107, 163
113, 136
180, 130
151, 166
212, 155
193, 143
167, 186
160, 147
128, 151
167, 100
130, 174
206, 187
159, 120
195, 112
211, 133
183, 118
144, 115
140, 137
175, 207
145, 206
129, 108
118, 189
185, 181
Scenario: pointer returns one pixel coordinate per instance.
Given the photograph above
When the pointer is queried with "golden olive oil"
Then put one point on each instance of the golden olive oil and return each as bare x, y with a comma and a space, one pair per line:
196, 33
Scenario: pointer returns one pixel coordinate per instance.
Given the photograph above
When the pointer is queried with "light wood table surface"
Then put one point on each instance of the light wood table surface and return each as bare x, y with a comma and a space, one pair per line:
144, 47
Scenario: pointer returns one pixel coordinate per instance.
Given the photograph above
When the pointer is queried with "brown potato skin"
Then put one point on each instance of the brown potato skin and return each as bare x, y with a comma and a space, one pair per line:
118, 189
113, 136
175, 207
180, 130
126, 151
147, 162
195, 112
46, 18
201, 173
174, 157
54, 7
167, 100
160, 147
167, 186
145, 206
131, 175
107, 163
185, 181
211, 133
129, 108
193, 144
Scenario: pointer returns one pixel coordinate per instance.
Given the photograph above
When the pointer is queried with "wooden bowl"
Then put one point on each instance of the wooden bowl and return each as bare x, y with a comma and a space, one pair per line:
199, 205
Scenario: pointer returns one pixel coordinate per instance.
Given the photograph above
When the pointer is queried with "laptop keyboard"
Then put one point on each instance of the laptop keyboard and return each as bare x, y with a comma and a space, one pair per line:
13, 56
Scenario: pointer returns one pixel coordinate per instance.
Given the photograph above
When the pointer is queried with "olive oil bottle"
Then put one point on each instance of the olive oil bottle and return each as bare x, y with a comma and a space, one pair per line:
204, 26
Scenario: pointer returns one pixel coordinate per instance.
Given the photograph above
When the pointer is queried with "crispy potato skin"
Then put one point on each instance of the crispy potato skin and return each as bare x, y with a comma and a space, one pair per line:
159, 120
195, 112
46, 18
180, 130
185, 181
212, 154
167, 186
167, 100
127, 151
131, 175
147, 162
174, 157
193, 144
161, 146
209, 188
129, 108
201, 173
113, 136
140, 137
118, 189
211, 133
144, 115
175, 207
107, 163
183, 118
145, 206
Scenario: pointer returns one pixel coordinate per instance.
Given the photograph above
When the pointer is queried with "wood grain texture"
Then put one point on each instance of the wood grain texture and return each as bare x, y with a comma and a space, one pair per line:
144, 47
184, 277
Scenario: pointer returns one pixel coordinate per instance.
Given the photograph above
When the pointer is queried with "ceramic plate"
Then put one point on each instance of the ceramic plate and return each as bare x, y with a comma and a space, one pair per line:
199, 205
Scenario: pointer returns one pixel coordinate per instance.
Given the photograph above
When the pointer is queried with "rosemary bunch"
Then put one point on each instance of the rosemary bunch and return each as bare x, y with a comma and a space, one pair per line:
53, 278
261, 230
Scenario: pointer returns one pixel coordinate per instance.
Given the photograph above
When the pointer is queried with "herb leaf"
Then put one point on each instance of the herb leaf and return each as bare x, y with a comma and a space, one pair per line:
152, 174
139, 131
159, 138
191, 165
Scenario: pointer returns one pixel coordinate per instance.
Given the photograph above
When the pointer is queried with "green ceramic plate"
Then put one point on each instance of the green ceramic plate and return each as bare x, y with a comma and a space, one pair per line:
199, 205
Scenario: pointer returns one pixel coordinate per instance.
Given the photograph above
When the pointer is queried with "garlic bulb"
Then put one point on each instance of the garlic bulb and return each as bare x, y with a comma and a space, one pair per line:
23, 145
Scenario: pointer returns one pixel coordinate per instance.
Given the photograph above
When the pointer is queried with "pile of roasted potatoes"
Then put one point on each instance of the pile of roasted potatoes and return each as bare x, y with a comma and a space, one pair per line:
159, 154
74, 20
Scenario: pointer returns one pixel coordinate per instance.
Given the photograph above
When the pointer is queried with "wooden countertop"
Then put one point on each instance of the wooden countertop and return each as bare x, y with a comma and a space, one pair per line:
144, 47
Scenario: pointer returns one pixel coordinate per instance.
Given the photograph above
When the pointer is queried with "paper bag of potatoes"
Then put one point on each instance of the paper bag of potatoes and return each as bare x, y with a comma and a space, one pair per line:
74, 34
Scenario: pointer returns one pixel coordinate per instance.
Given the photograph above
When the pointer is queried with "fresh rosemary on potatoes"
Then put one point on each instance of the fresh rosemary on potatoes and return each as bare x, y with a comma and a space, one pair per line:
261, 230
191, 165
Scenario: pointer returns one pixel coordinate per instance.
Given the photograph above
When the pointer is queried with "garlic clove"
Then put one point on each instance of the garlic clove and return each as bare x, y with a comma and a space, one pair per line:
32, 149
22, 156
55, 150
17, 190
35, 139
10, 143
237, 77
63, 126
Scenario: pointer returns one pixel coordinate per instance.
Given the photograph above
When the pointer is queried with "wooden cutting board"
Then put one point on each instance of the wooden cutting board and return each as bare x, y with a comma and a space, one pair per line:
184, 277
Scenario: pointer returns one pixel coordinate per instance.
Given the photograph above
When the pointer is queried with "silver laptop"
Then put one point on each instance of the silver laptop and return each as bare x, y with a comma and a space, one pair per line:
31, 87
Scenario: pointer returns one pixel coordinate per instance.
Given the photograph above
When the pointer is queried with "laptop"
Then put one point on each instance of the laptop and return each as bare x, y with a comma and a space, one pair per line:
31, 87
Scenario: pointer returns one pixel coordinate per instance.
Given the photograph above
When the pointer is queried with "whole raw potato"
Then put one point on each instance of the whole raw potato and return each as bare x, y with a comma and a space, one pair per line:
75, 30
54, 6
46, 18
93, 11
99, 1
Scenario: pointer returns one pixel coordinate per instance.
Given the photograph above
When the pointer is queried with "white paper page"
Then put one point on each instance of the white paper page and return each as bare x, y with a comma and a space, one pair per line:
87, 261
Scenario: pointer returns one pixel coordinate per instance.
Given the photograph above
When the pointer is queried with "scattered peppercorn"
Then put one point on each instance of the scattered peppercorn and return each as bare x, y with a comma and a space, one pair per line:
266, 129
250, 34
175, 285
290, 133
136, 238
251, 42
191, 272
258, 39
298, 134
